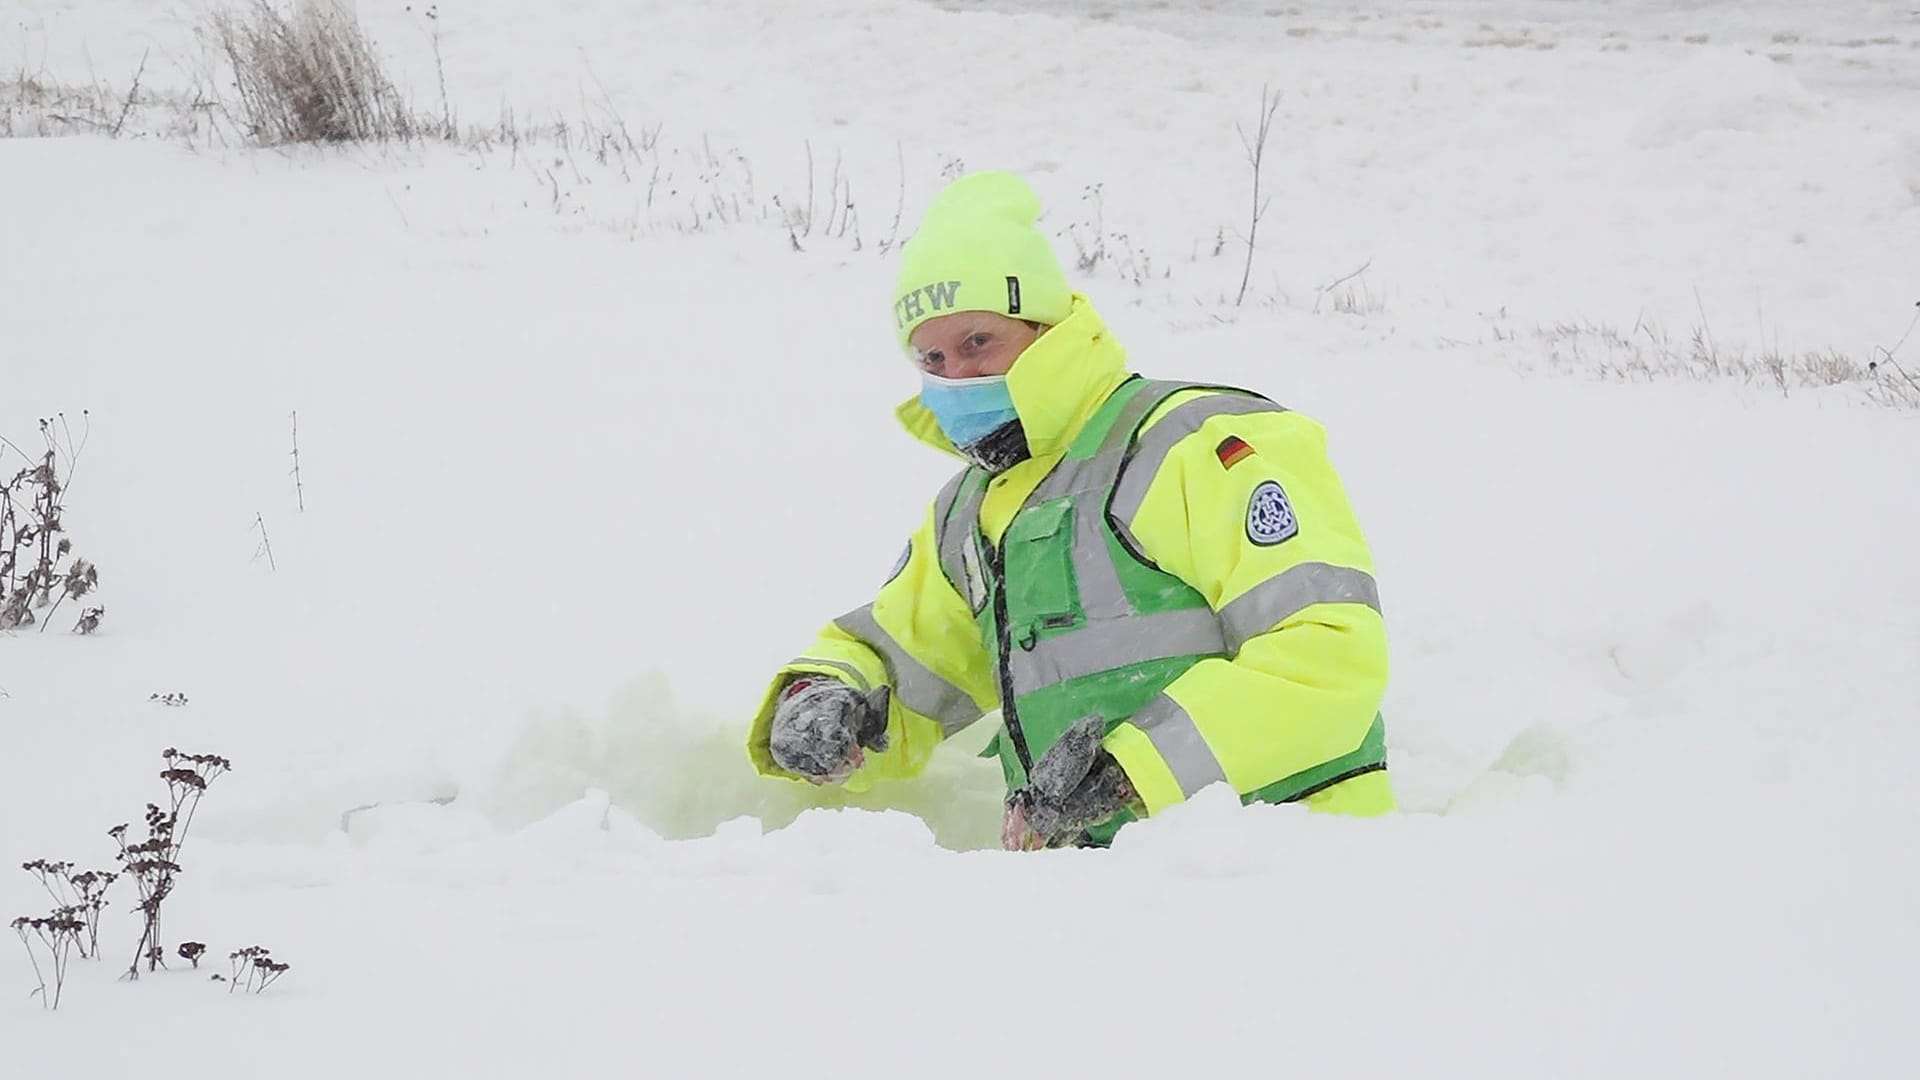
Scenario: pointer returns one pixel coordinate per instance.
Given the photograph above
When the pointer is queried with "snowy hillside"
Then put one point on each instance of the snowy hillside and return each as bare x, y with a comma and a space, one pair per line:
594, 431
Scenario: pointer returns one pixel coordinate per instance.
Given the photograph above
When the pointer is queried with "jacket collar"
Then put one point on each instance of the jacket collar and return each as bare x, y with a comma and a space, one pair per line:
1057, 385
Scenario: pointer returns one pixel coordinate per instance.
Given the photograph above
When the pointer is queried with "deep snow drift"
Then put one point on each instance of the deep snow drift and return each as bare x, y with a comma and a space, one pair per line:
587, 450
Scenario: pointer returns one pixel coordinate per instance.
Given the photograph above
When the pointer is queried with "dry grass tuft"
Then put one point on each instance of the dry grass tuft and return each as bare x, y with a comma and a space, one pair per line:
309, 74
1648, 353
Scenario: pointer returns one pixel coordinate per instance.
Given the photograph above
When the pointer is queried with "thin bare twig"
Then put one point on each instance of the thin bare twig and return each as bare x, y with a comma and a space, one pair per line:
299, 489
1713, 350
809, 222
1256, 149
893, 233
448, 128
266, 543
1337, 282
1887, 355
132, 92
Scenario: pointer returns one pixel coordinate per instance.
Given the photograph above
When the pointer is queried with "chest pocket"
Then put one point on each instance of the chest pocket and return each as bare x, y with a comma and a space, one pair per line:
1037, 554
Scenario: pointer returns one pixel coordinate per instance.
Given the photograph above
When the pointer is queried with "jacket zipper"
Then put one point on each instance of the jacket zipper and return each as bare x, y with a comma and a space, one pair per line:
1009, 714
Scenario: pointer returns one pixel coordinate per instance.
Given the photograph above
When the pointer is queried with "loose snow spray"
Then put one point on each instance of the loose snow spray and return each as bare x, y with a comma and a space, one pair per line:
678, 771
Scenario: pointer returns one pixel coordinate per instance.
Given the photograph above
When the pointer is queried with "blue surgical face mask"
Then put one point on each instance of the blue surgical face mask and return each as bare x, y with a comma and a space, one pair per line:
968, 409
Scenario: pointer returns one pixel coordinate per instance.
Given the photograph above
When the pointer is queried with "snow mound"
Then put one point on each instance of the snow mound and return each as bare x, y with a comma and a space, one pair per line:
1722, 89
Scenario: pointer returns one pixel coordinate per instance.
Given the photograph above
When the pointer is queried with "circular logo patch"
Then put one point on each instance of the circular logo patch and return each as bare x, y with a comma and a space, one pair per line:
1270, 517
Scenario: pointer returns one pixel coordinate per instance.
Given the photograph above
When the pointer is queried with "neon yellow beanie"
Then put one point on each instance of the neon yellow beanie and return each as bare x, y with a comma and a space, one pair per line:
978, 250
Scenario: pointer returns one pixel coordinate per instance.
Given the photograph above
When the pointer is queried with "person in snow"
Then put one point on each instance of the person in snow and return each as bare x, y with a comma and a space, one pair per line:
1160, 585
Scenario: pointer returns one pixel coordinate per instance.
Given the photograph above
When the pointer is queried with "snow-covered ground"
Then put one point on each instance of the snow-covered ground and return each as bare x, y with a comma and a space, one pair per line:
587, 447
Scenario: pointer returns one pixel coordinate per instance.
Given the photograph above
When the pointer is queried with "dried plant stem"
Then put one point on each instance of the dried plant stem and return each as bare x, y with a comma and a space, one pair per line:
57, 933
310, 75
32, 531
299, 489
1887, 355
132, 92
1256, 149
48, 874
155, 862
60, 946
21, 928
1323, 290
449, 129
900, 206
266, 542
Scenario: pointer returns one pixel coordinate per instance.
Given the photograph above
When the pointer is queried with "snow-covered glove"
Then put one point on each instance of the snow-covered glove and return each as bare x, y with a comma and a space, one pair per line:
1074, 786
822, 728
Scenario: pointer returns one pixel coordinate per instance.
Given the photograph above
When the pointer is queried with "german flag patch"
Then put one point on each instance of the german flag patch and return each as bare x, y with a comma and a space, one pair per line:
1231, 451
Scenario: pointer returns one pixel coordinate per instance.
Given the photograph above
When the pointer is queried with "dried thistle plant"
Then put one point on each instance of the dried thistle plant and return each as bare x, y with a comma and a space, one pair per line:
91, 888
38, 570
254, 969
85, 893
52, 877
56, 935
154, 863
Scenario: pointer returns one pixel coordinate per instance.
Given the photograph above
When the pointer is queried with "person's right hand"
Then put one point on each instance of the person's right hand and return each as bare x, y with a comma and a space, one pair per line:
822, 727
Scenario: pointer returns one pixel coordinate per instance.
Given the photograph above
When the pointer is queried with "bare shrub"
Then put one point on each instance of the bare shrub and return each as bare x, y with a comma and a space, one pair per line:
1649, 352
1095, 245
310, 74
38, 570
1896, 383
1090, 250
32, 107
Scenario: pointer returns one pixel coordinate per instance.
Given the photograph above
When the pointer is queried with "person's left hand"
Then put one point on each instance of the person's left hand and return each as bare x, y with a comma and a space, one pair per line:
1075, 785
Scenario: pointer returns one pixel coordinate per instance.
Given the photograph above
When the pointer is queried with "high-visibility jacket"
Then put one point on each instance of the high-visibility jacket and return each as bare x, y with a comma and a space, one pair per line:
1238, 504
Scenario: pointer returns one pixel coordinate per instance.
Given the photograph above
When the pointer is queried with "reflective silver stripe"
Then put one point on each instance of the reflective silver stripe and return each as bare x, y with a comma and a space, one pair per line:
949, 494
1159, 440
915, 684
1290, 592
1104, 646
1180, 744
853, 676
1097, 471
949, 540
1151, 397
954, 528
1070, 477
1102, 597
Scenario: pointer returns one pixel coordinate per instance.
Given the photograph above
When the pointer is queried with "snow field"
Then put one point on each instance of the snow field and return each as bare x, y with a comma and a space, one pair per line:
576, 481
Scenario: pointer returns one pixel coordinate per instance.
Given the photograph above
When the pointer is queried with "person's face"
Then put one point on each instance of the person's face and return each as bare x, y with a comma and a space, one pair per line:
970, 344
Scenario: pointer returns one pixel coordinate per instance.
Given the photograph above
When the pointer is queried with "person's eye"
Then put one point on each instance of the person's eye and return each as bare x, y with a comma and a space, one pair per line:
981, 340
932, 361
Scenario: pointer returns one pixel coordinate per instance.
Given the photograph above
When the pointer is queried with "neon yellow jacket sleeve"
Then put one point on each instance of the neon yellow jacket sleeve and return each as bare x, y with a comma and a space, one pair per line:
917, 637
1304, 688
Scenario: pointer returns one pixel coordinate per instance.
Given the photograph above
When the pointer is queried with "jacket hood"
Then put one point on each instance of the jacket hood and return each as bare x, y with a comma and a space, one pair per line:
1057, 385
